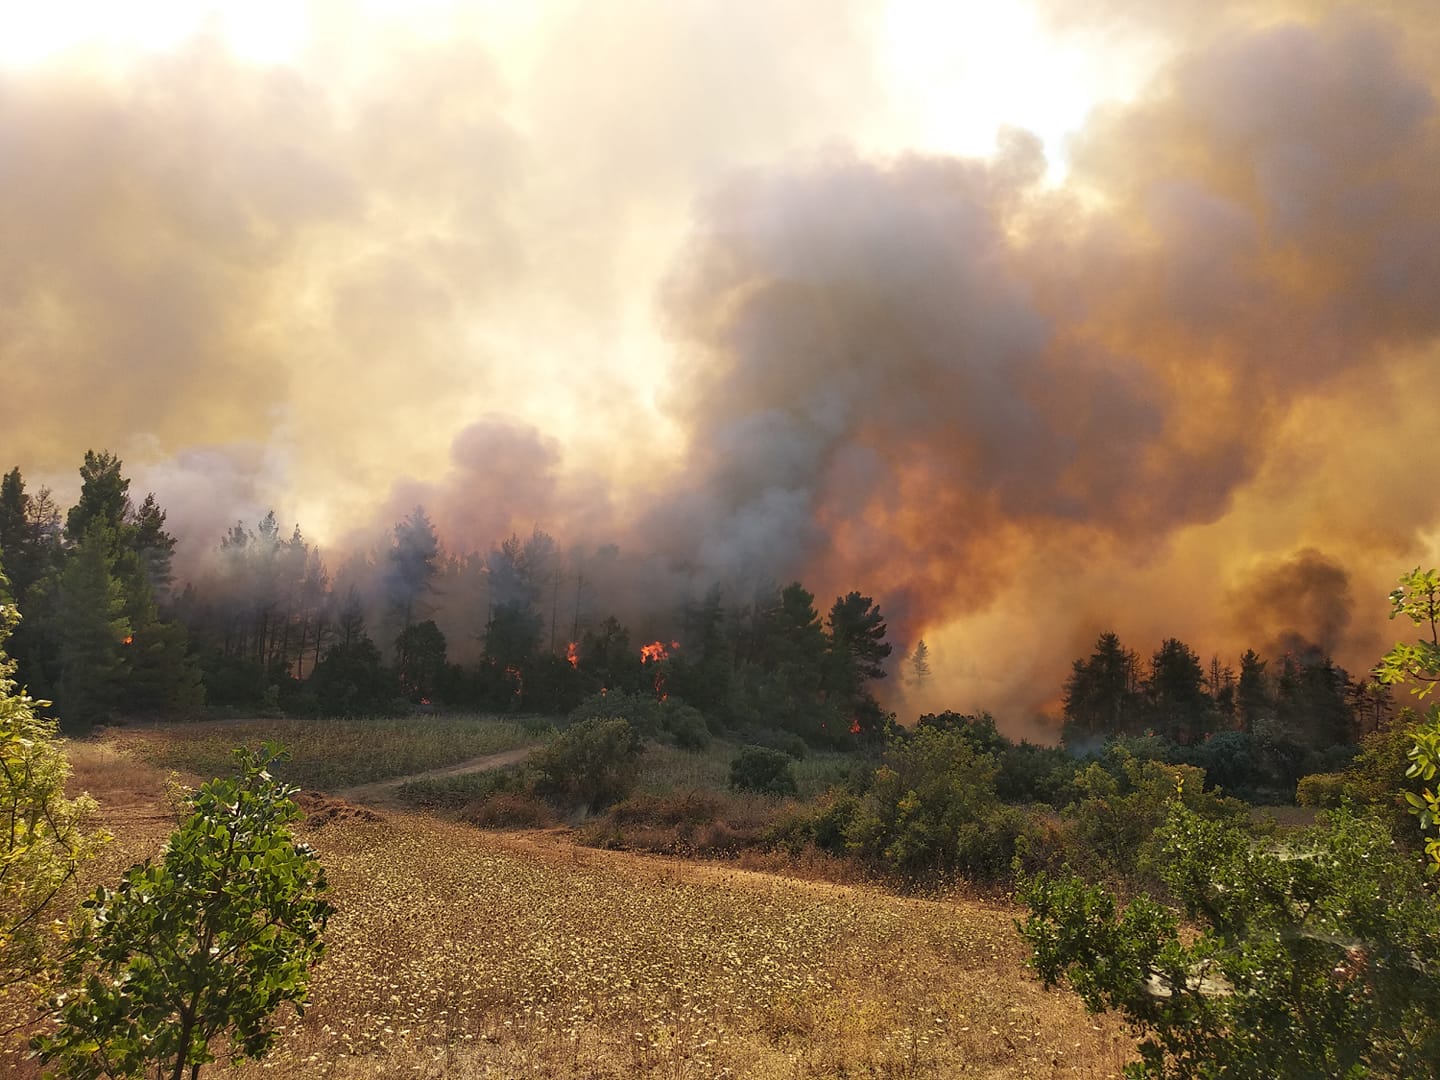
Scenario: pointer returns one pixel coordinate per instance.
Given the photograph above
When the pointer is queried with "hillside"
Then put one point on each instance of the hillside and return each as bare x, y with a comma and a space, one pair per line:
462, 953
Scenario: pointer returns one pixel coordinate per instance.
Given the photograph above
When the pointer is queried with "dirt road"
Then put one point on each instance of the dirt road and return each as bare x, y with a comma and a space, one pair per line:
382, 792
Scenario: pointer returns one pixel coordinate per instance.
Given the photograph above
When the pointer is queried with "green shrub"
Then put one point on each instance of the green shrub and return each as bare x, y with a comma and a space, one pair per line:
821, 824
588, 765
642, 710
651, 718
1109, 832
932, 810
762, 770
685, 726
787, 742
1324, 790
200, 948
1320, 957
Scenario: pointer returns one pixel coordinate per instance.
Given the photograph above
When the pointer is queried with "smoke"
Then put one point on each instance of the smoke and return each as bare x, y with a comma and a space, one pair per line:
1171, 393
1301, 606
929, 376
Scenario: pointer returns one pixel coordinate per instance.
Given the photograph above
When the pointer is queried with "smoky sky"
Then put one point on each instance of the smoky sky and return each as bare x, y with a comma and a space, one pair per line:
1172, 392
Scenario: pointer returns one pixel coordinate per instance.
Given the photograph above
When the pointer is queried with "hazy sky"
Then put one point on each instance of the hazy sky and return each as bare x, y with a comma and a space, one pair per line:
1030, 320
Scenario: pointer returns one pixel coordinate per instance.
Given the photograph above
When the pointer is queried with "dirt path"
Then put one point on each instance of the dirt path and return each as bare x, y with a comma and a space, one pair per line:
382, 792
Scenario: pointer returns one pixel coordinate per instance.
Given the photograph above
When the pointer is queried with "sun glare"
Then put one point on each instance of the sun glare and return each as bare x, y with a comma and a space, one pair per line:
961, 69
262, 31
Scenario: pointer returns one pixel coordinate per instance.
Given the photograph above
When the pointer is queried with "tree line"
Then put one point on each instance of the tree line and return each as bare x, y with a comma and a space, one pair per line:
267, 627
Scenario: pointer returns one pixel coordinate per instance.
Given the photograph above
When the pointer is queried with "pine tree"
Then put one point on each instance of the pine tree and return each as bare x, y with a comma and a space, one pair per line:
91, 628
920, 664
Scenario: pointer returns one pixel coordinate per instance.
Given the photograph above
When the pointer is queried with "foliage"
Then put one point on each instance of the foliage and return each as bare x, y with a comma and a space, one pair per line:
351, 680
1418, 599
420, 660
1111, 829
1377, 779
91, 628
919, 665
410, 567
857, 651
209, 942
47, 837
458, 790
762, 770
933, 811
1324, 790
651, 718
1318, 957
1101, 694
588, 765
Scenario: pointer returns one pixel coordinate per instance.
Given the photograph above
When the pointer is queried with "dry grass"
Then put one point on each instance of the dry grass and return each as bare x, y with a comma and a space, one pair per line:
665, 769
458, 953
328, 754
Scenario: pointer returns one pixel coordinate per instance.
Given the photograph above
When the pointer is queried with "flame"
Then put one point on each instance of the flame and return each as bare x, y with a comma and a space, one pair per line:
514, 673
127, 639
656, 651
572, 654
424, 701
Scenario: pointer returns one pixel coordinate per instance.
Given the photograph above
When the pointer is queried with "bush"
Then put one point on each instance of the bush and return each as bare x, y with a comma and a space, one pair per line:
690, 823
460, 790
1110, 829
762, 770
642, 710
205, 945
685, 726
787, 742
1378, 780
351, 681
823, 824
649, 717
588, 765
1324, 790
1318, 958
48, 838
508, 810
932, 810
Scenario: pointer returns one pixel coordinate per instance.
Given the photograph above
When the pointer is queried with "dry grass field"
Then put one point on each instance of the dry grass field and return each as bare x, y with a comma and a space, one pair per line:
460, 953
328, 754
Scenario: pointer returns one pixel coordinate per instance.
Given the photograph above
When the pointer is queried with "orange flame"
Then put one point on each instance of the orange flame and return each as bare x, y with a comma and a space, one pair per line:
656, 651
572, 653
127, 639
514, 673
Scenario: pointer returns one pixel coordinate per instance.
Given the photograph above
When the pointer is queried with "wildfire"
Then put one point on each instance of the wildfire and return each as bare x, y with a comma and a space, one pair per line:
656, 651
514, 673
572, 654
128, 639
